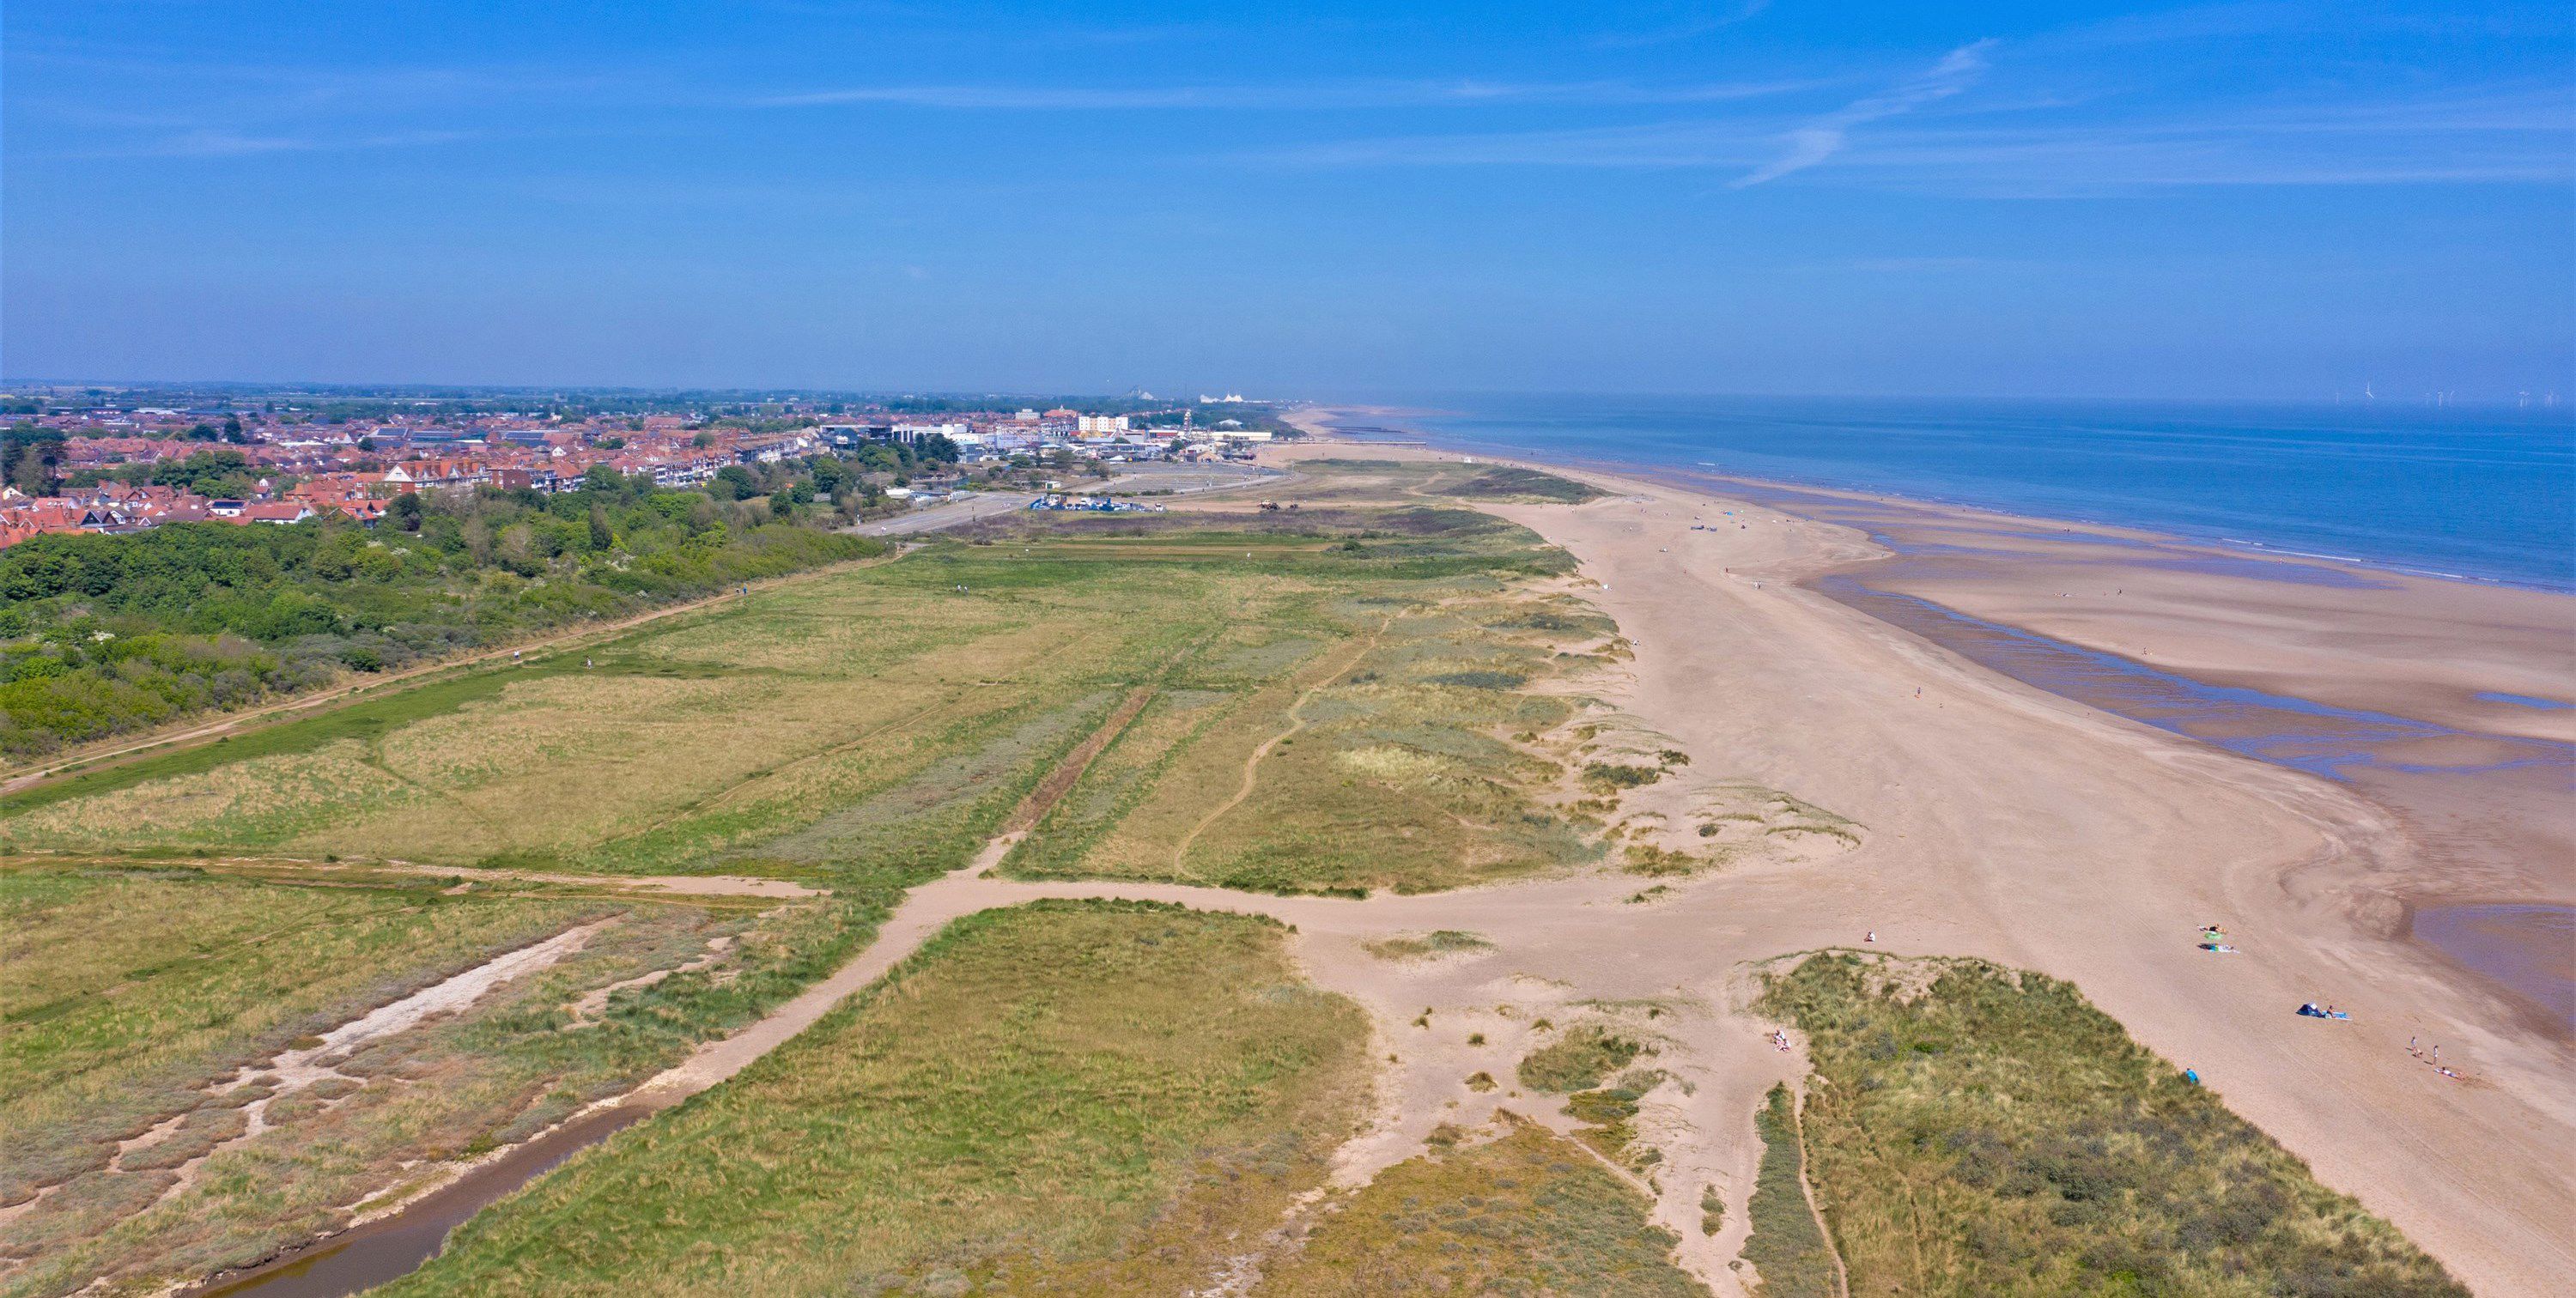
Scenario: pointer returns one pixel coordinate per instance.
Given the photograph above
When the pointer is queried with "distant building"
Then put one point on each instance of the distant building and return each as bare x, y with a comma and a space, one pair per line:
915, 432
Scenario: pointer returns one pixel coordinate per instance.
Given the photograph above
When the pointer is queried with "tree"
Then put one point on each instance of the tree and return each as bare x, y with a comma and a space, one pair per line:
703, 440
202, 432
601, 539
233, 431
734, 482
406, 511
938, 447
828, 474
29, 457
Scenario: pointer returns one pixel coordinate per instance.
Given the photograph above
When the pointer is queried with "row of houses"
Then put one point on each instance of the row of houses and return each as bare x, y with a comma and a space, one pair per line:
119, 509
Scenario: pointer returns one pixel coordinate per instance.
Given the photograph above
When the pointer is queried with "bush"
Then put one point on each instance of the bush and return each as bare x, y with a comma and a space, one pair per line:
1578, 1060
119, 633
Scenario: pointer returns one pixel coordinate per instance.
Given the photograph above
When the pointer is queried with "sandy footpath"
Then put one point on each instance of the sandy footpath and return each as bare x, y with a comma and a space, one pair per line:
2000, 822
1996, 821
2008, 823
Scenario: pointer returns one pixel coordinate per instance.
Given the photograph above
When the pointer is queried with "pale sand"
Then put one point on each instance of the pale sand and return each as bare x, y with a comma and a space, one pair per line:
2000, 822
2008, 823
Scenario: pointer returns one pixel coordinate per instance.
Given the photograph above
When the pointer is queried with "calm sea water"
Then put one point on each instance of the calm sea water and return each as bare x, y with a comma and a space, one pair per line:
2483, 493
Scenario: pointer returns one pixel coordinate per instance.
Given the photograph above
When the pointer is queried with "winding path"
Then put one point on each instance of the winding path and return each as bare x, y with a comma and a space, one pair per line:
2009, 825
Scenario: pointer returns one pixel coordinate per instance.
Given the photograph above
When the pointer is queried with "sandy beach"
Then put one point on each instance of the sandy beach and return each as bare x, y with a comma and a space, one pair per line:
2008, 822
1992, 818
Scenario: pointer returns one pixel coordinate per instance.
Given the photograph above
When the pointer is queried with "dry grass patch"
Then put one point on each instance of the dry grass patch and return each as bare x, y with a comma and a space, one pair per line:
1525, 1214
1578, 1060
1373, 755
1976, 1130
1080, 1097
1447, 941
135, 996
1787, 1249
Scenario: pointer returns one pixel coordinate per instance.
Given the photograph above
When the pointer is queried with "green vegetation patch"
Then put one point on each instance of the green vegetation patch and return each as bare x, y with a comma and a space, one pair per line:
1526, 1214
1785, 1246
136, 995
1084, 1096
364, 720
1510, 482
1610, 1117
1447, 941
1578, 1059
1343, 736
1329, 480
128, 990
1976, 1130
1611, 777
101, 635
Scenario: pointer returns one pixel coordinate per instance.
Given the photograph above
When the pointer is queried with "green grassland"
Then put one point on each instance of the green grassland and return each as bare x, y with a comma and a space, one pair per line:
1786, 1247
1335, 701
1526, 1214
1346, 735
1075, 1097
1579, 1059
133, 994
1973, 1130
1364, 479
866, 729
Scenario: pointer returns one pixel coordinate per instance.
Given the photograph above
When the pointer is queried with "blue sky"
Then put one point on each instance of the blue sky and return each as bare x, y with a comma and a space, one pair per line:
2261, 199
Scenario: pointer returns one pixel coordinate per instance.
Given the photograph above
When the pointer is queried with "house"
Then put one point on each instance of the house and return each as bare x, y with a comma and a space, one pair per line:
413, 475
280, 512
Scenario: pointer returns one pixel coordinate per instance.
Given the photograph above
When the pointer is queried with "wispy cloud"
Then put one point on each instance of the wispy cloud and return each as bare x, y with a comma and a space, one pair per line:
1331, 96
216, 142
1694, 21
2041, 148
1824, 137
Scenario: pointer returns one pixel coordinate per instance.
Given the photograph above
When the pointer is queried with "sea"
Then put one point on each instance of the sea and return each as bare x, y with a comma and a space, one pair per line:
2476, 494
2480, 493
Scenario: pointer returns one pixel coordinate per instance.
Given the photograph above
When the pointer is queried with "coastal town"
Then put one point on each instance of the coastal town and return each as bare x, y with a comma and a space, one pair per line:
121, 461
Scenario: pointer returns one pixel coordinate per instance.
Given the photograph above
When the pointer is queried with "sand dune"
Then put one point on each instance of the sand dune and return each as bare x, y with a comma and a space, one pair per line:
2015, 825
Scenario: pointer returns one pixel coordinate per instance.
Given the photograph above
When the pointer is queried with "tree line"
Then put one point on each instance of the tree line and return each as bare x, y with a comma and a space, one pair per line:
102, 635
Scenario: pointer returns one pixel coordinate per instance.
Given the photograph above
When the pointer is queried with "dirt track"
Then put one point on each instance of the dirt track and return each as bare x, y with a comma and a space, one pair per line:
2003, 823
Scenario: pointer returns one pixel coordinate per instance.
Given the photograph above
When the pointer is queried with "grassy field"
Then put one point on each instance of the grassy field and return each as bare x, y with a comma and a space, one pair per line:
135, 995
1338, 700
1526, 1214
1080, 1097
867, 729
1339, 480
1349, 729
1786, 1248
1580, 1058
1973, 1130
